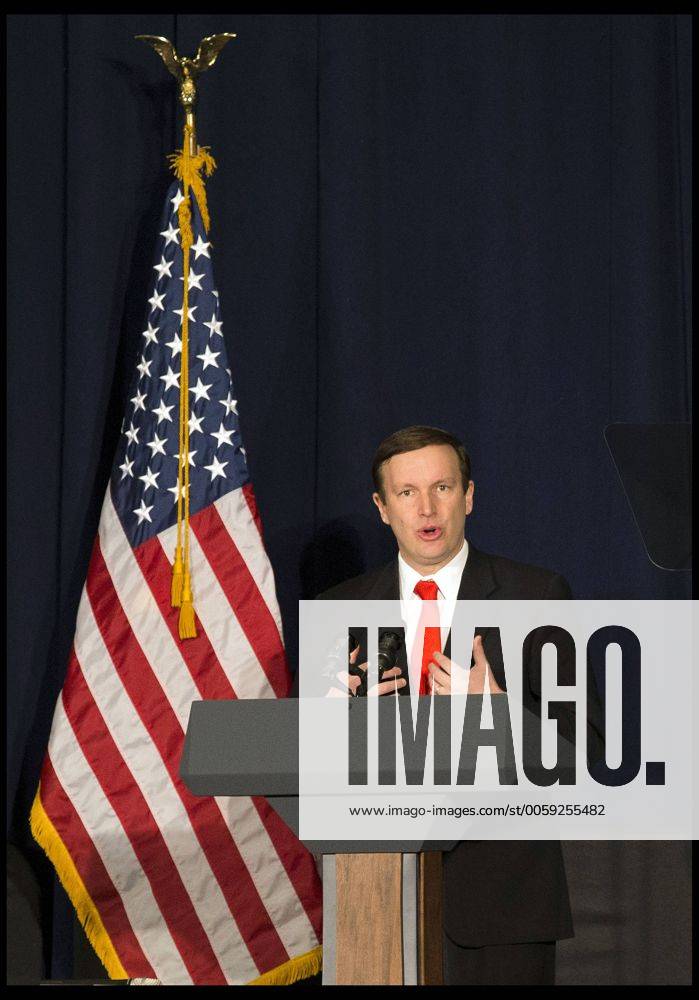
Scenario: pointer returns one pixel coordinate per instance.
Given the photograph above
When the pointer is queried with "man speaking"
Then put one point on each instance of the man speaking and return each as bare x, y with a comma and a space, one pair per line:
505, 903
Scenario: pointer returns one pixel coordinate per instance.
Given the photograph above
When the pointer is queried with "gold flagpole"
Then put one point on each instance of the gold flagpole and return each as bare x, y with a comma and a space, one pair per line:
188, 164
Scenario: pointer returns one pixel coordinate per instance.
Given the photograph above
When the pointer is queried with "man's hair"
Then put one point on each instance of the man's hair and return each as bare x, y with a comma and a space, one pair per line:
410, 439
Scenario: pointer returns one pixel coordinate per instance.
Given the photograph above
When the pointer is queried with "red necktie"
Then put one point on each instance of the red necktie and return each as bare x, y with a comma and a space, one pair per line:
427, 590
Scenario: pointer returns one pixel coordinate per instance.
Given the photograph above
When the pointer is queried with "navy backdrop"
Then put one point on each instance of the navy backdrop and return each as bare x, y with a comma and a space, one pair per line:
478, 222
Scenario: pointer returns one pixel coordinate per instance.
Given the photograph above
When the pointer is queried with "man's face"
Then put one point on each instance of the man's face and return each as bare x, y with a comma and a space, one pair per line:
425, 505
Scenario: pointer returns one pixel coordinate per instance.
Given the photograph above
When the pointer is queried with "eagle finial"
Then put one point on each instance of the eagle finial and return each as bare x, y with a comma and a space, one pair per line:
186, 70
181, 66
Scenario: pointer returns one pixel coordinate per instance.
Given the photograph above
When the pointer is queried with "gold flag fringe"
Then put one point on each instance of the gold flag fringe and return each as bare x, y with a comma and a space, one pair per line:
46, 835
189, 170
48, 838
290, 972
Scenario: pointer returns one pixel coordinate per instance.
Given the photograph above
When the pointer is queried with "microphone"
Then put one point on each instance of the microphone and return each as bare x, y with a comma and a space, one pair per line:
389, 645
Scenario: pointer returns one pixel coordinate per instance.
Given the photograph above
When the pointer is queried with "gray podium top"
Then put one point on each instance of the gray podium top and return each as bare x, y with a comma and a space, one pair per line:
250, 747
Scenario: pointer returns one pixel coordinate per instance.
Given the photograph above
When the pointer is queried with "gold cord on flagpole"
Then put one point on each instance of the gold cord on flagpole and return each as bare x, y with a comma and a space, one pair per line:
188, 164
189, 170
187, 625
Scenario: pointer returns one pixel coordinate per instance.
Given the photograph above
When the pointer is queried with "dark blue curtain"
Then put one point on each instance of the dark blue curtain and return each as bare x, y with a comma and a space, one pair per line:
480, 222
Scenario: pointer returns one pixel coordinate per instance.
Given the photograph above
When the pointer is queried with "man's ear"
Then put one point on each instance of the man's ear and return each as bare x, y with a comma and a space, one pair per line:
469, 497
381, 506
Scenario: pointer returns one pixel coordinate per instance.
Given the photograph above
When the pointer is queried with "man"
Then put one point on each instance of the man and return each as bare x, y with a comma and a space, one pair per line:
505, 902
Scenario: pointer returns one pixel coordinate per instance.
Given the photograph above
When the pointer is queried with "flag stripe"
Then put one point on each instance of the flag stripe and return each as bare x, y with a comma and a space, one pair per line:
161, 649
129, 804
151, 634
203, 664
278, 886
238, 511
251, 502
300, 867
104, 827
95, 877
259, 848
243, 596
229, 642
135, 745
168, 735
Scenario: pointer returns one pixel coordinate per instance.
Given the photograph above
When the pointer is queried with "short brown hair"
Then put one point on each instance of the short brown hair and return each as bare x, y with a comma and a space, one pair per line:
412, 438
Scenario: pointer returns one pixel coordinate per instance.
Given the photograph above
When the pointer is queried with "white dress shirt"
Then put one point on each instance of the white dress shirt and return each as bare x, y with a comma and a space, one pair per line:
448, 579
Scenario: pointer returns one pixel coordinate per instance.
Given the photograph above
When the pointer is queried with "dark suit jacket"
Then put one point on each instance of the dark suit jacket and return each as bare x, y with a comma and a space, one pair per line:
499, 892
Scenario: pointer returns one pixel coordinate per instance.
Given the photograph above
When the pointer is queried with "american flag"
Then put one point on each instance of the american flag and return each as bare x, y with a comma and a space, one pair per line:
170, 886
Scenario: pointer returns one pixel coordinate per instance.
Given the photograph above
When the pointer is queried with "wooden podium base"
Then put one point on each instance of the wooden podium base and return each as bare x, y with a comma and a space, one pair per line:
382, 919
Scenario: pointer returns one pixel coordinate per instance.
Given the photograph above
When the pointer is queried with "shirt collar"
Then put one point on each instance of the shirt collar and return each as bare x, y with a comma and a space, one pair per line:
448, 578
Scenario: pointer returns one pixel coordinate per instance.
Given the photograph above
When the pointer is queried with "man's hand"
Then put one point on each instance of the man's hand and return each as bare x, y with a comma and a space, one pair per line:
476, 677
440, 674
349, 682
440, 669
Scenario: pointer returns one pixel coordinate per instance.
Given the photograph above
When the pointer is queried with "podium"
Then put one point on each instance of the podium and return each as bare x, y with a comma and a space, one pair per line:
382, 900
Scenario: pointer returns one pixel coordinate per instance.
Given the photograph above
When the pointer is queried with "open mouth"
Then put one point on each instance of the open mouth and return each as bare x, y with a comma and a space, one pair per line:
430, 534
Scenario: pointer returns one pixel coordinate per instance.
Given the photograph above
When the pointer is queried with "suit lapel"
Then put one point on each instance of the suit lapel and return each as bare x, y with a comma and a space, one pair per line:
477, 583
477, 579
386, 587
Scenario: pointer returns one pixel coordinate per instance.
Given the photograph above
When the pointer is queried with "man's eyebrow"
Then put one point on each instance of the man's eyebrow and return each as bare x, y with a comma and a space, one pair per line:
411, 486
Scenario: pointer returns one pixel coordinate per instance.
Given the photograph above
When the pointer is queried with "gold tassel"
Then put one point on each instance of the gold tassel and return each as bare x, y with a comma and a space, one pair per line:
177, 579
187, 625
